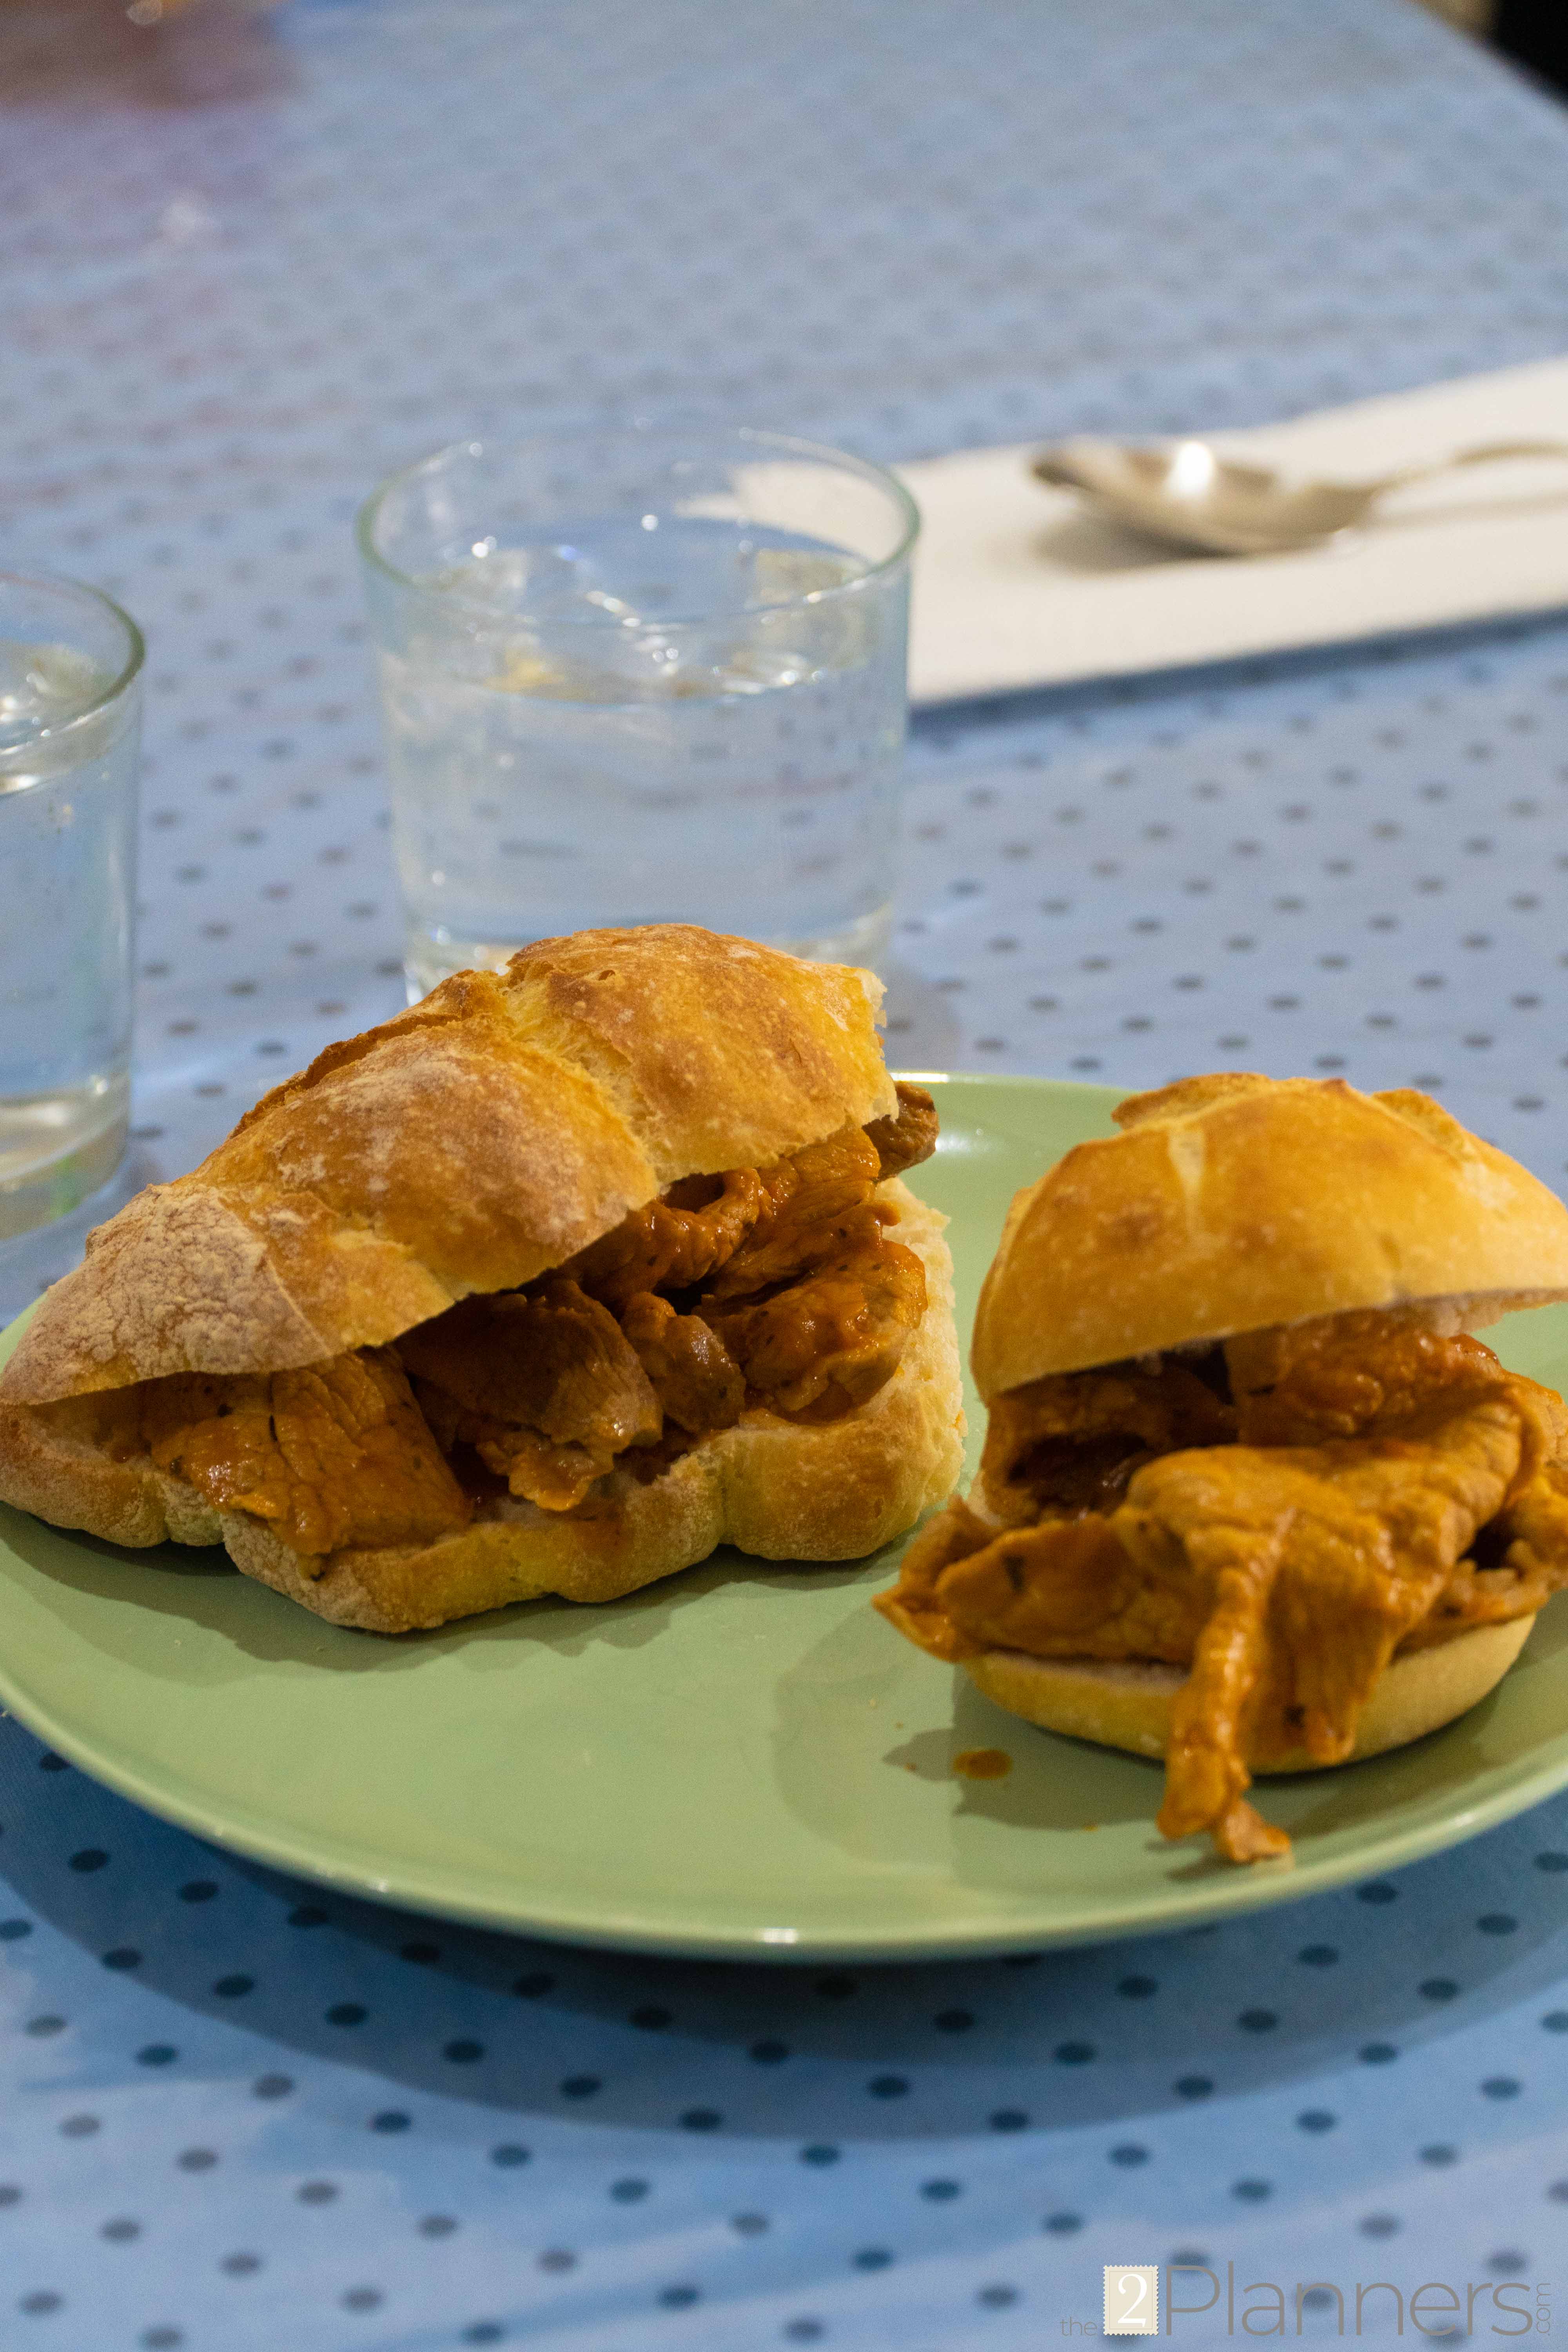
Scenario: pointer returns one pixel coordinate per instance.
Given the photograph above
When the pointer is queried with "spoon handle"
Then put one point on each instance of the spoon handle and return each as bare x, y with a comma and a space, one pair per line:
1486, 455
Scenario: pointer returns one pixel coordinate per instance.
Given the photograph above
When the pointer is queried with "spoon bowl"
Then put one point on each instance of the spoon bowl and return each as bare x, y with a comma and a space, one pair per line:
1185, 494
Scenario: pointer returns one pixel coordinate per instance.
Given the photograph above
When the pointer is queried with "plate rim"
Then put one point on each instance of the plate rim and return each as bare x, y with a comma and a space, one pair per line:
414, 1887
1237, 1890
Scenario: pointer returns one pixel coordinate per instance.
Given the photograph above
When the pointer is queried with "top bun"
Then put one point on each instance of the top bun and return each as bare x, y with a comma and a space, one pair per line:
1232, 1203
472, 1143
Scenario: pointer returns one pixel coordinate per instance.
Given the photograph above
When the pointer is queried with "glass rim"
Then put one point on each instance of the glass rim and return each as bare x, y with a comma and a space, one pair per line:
649, 428
51, 583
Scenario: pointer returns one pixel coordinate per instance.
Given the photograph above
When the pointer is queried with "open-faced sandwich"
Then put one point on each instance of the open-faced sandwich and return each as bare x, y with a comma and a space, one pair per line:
1251, 1496
552, 1285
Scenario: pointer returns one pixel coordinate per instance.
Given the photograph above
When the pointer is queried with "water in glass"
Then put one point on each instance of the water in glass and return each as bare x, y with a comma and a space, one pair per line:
66, 867
605, 759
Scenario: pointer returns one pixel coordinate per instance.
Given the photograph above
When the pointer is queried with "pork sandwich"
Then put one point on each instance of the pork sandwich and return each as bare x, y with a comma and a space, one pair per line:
551, 1286
1251, 1496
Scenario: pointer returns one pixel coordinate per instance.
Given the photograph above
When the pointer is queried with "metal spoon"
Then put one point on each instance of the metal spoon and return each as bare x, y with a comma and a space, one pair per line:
1185, 493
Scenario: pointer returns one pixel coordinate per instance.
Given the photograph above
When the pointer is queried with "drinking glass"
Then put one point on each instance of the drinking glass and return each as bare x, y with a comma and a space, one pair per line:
634, 674
70, 709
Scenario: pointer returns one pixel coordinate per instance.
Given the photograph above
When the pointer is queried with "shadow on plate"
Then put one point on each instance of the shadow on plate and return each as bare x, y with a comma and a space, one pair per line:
1053, 1784
200, 1586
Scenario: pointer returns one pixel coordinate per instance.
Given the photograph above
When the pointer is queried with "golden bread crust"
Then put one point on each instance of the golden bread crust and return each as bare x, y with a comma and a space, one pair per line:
717, 1052
776, 1489
471, 1144
1232, 1203
1126, 1702
61, 1464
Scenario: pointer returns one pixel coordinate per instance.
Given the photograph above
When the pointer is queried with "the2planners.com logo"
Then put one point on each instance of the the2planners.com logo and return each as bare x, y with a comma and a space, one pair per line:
1137, 2301
1132, 2299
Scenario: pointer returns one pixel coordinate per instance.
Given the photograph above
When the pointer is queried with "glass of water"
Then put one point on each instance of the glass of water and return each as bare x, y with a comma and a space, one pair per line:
635, 673
71, 707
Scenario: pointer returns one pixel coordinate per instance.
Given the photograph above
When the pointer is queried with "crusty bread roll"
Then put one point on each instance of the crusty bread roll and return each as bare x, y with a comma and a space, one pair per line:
1126, 1702
1235, 1205
1231, 1203
474, 1142
470, 1144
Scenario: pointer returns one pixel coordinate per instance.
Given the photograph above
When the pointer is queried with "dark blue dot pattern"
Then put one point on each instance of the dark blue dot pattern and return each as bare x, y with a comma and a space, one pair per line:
879, 2138
291, 254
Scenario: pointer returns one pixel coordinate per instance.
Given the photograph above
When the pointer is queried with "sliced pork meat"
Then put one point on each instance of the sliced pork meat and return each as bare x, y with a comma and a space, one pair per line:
1391, 1487
909, 1135
693, 1375
828, 1341
551, 1364
331, 1455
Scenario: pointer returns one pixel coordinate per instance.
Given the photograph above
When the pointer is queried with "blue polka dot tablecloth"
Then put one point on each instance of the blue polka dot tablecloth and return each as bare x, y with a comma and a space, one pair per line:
252, 260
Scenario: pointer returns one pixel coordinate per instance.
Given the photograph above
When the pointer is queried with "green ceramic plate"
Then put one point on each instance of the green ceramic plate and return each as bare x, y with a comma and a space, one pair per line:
742, 1761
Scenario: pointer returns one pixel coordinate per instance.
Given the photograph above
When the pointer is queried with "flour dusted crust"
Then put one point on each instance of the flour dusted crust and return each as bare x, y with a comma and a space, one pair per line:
474, 1143
1126, 1702
777, 1489
1231, 1203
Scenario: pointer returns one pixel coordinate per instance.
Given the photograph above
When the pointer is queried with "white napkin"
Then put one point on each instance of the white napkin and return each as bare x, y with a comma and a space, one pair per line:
1016, 585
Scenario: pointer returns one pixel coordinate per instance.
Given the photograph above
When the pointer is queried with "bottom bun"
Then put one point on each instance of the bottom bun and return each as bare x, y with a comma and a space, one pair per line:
1126, 1702
774, 1488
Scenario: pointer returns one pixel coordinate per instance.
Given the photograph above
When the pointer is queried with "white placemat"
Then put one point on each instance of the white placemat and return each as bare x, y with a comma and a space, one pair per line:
1016, 585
